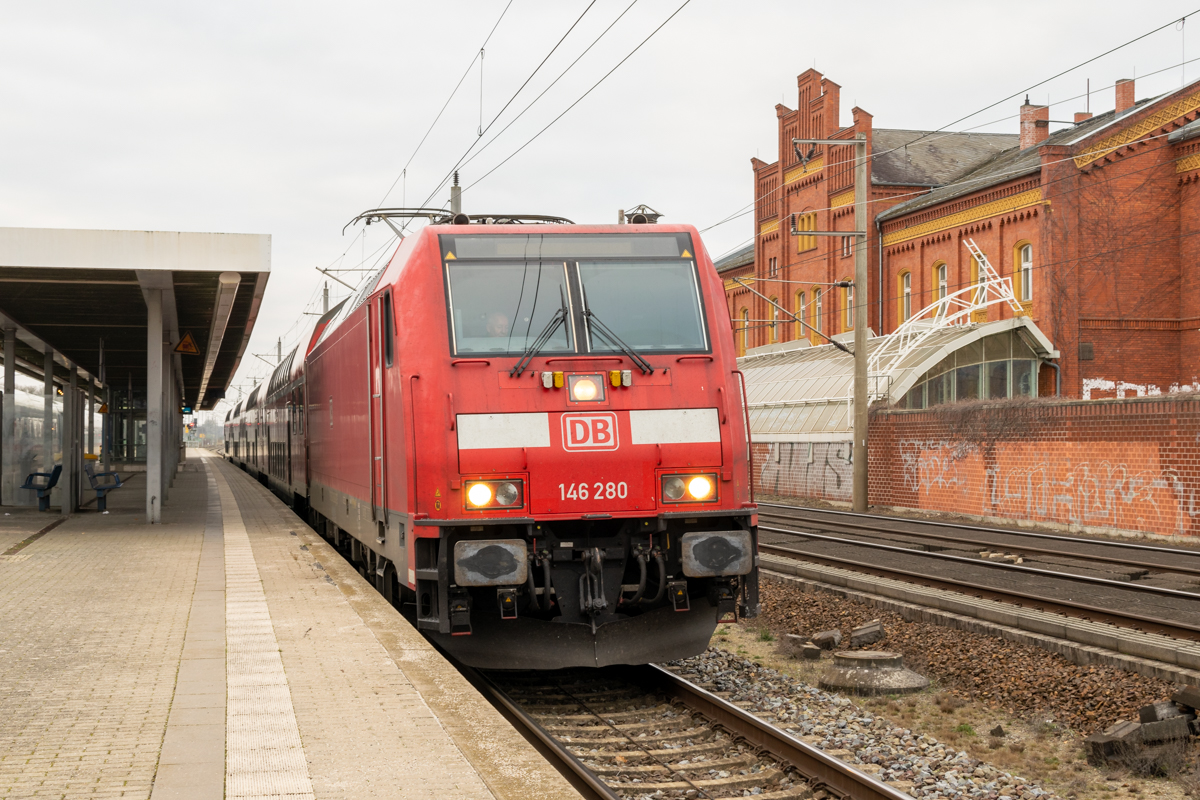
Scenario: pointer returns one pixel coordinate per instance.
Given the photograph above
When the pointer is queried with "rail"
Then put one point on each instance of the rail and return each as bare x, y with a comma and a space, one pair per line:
1171, 551
822, 772
1180, 630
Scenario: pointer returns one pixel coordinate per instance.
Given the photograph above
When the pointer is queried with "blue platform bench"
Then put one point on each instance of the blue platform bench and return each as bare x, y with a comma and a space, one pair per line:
42, 483
102, 483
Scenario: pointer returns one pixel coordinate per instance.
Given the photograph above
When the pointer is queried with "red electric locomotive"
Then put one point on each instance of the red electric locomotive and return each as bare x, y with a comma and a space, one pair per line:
530, 436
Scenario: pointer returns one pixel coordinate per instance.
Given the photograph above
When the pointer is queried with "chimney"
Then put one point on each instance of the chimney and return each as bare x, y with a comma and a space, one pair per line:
1125, 99
1082, 116
1035, 124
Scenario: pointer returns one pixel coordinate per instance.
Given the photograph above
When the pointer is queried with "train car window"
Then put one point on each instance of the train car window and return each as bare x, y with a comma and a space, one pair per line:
499, 307
651, 305
388, 329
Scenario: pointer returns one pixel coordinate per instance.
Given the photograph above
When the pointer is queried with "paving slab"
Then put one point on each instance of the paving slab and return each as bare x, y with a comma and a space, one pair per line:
207, 658
358, 671
93, 617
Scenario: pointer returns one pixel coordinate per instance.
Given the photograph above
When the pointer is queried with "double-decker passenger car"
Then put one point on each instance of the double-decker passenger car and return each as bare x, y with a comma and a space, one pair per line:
531, 437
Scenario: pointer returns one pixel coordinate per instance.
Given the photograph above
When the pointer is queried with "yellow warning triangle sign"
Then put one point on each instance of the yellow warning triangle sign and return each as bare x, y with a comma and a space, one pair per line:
187, 345
686, 254
437, 492
451, 257
103, 409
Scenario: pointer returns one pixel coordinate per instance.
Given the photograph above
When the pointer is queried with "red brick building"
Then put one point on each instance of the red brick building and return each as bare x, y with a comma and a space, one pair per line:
1096, 223
814, 190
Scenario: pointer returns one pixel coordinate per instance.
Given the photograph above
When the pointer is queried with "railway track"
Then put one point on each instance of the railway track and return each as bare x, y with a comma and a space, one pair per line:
1159, 609
1174, 560
641, 732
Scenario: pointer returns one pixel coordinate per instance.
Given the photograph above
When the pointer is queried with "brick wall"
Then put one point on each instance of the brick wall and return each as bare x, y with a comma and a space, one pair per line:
1128, 464
820, 470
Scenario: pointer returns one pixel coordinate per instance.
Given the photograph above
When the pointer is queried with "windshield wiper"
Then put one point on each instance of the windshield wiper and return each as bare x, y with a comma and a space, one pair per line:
559, 318
607, 333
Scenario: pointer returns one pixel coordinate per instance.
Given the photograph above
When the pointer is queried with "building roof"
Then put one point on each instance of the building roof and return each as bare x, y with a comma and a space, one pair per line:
803, 394
742, 257
930, 158
1006, 165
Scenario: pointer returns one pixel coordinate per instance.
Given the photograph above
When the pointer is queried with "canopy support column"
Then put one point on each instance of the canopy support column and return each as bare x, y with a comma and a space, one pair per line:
69, 480
154, 405
48, 413
91, 417
9, 457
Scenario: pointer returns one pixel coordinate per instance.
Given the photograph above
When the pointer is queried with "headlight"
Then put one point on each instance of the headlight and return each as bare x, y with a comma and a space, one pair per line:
700, 488
586, 388
673, 488
480, 494
493, 494
507, 494
689, 488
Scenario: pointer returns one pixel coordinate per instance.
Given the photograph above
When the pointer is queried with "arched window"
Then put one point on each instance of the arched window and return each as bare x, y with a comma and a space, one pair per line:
941, 281
774, 329
905, 296
1024, 269
806, 222
848, 297
801, 310
978, 276
744, 339
818, 322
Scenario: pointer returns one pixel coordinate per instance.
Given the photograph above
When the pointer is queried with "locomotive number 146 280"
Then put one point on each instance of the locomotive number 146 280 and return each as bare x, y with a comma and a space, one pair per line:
600, 490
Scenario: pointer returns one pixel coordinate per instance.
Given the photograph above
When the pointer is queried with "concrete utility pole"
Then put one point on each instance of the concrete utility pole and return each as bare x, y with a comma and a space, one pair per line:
859, 446
859, 452
325, 298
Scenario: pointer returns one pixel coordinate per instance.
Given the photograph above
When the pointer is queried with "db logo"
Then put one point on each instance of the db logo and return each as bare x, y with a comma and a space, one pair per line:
596, 431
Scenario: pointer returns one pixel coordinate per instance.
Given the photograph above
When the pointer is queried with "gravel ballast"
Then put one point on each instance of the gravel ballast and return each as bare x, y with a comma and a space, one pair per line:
1021, 679
910, 761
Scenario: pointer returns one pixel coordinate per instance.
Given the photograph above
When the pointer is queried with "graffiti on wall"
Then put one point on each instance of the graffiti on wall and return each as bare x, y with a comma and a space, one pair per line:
1024, 481
805, 469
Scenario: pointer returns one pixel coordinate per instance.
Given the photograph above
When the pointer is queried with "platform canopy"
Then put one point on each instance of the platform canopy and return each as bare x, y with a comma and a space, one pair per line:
82, 292
151, 322
798, 393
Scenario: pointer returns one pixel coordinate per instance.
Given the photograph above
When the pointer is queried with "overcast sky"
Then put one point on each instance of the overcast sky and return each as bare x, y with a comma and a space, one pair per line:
290, 118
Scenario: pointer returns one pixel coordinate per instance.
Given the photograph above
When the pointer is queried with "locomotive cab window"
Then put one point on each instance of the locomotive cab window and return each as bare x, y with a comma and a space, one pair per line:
505, 293
505, 307
651, 305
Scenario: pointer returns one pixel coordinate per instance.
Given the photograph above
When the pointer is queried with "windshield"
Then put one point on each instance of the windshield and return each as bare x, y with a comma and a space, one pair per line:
650, 305
502, 307
620, 292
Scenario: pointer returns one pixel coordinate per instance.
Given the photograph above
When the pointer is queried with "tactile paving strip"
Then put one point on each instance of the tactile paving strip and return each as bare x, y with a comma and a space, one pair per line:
264, 755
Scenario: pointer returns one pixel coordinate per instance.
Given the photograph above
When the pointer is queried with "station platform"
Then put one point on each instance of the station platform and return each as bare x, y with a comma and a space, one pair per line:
226, 653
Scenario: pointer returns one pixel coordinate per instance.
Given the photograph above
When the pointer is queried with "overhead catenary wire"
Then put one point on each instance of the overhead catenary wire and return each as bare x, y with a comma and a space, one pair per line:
528, 79
500, 113
984, 181
963, 284
744, 210
1030, 88
581, 97
454, 91
552, 84
1076, 260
